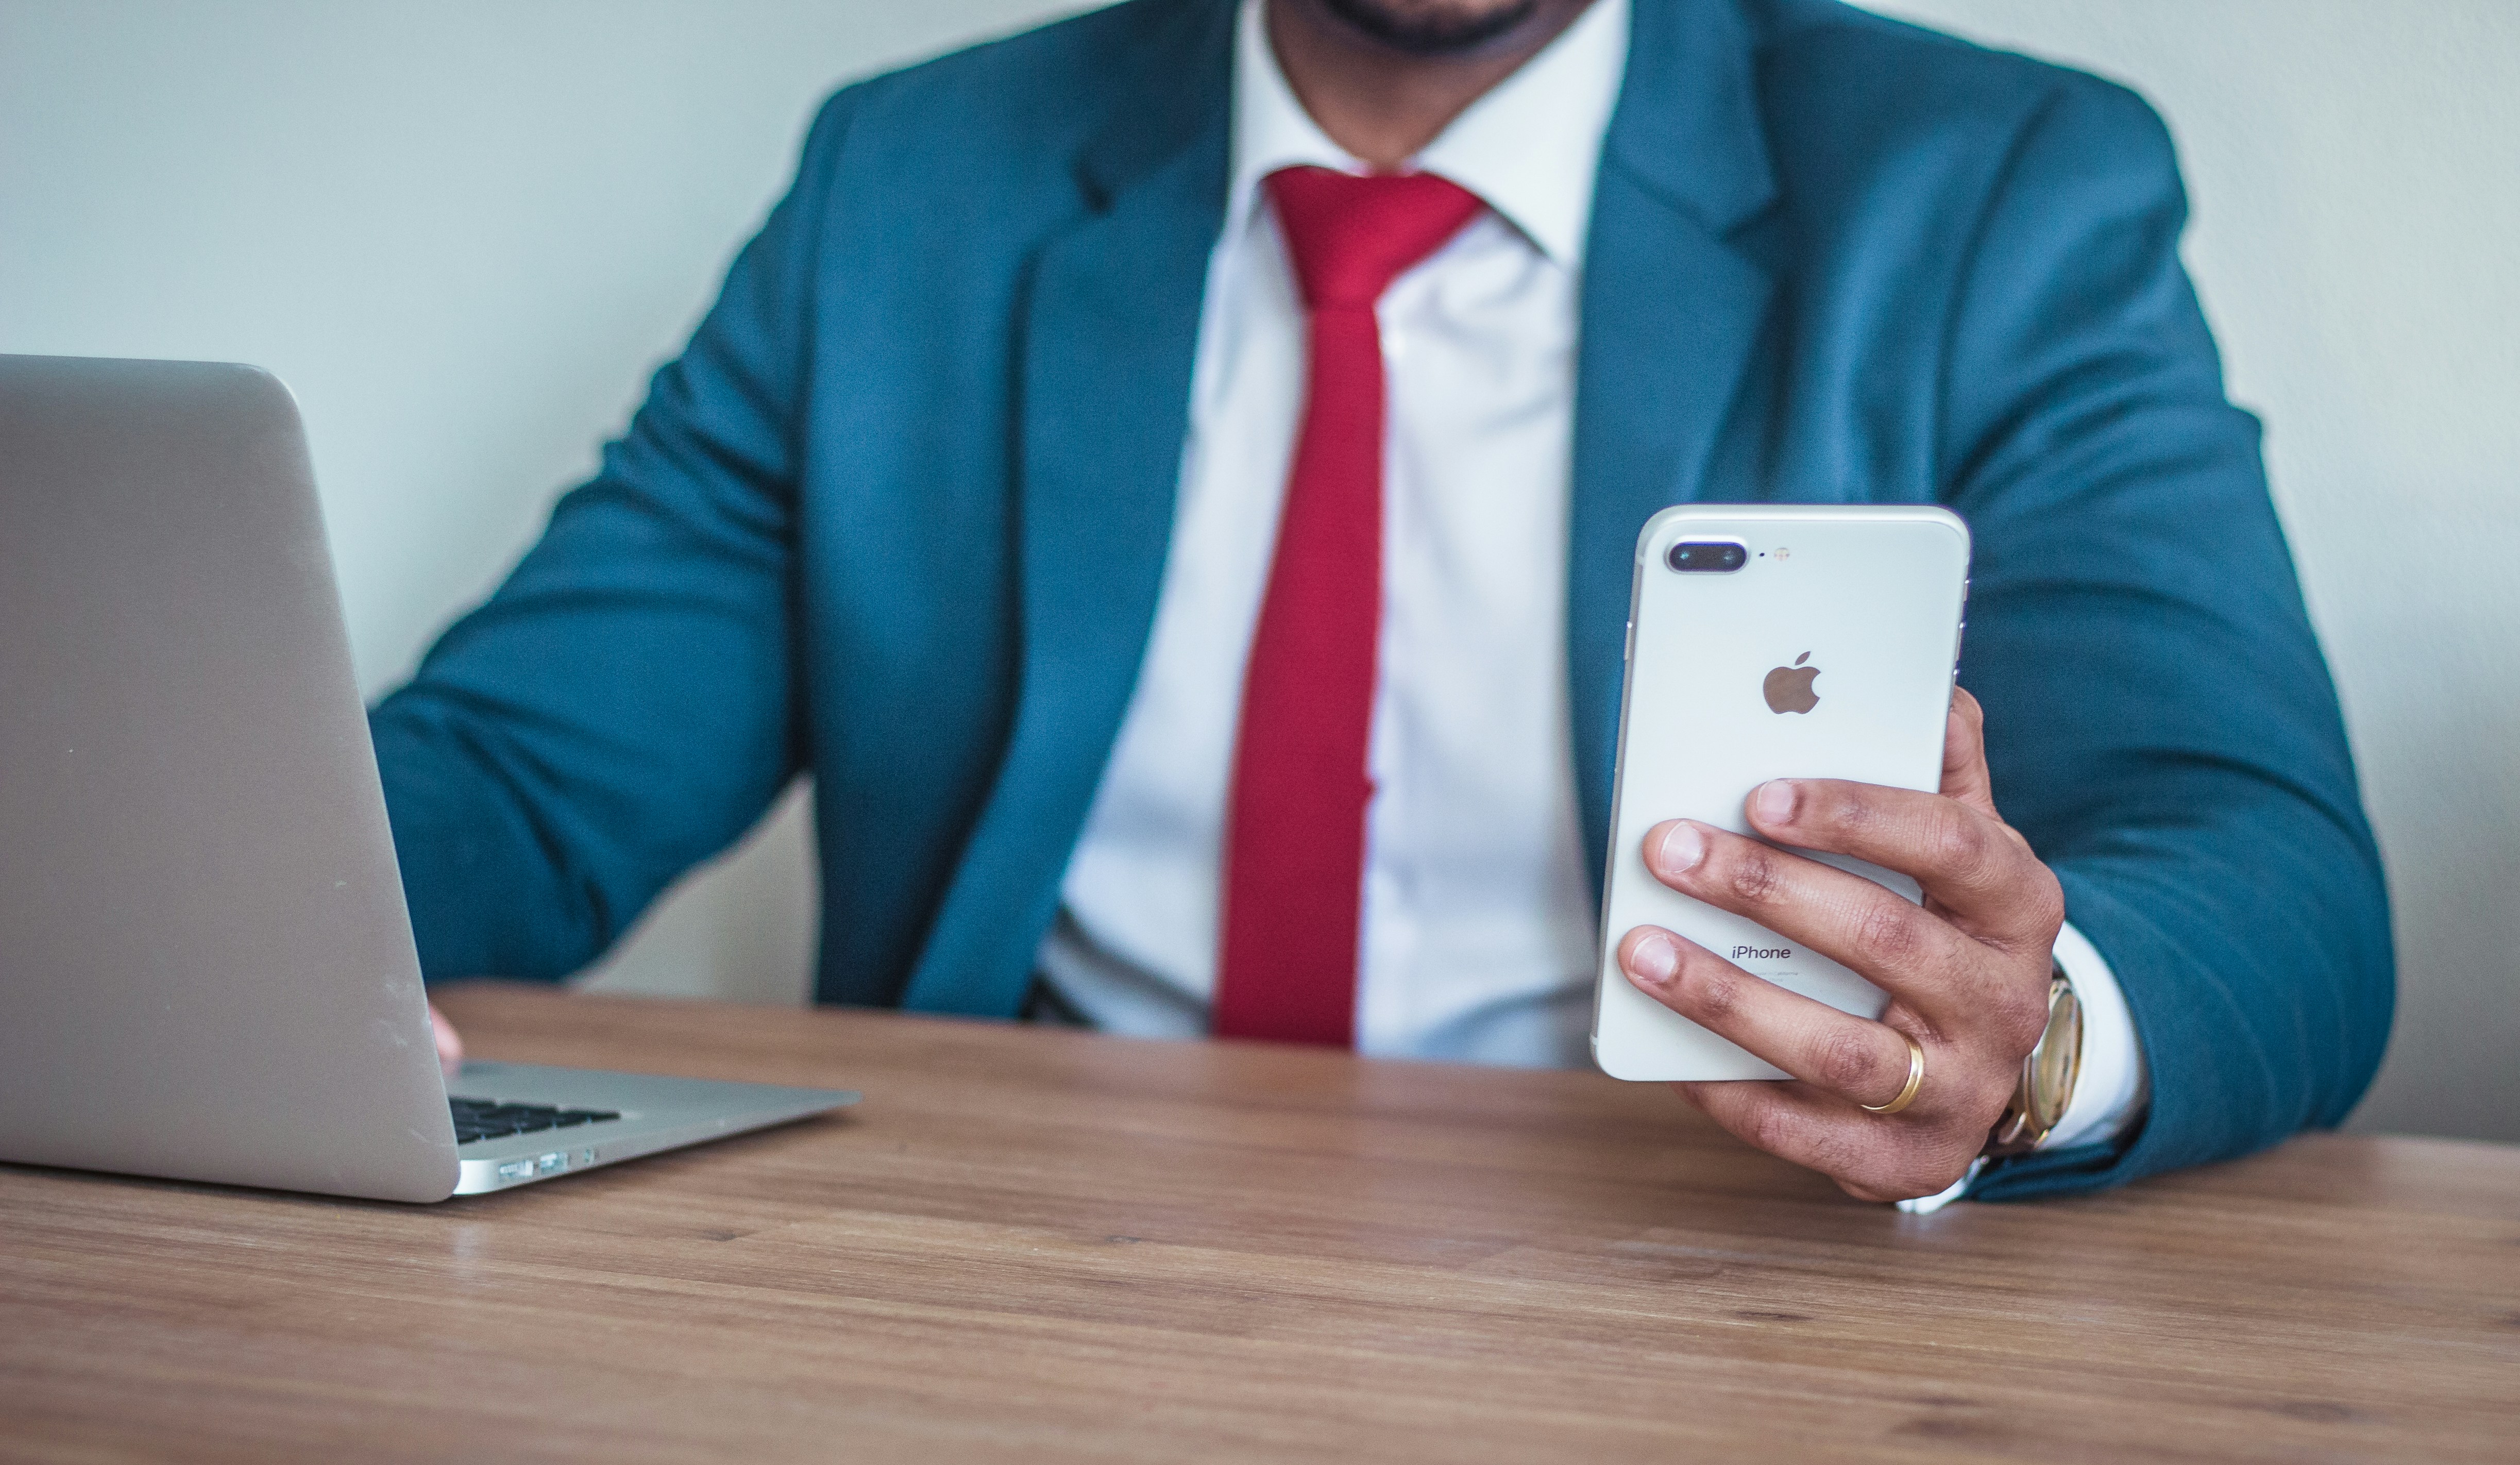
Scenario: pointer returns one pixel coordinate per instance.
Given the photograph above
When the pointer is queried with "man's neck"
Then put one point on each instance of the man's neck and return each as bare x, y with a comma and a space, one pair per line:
1383, 104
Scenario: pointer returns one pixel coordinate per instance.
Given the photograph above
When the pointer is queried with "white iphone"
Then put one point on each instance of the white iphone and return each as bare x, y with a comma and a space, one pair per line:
1767, 641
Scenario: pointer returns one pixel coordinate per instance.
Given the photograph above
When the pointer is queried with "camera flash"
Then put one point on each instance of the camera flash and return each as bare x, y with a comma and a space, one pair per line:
1784, 553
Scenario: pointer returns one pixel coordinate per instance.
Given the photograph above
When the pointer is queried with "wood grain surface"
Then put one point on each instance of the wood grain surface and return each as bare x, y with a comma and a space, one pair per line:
1044, 1245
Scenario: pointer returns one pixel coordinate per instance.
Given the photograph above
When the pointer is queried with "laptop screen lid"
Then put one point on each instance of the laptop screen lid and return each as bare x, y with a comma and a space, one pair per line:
206, 969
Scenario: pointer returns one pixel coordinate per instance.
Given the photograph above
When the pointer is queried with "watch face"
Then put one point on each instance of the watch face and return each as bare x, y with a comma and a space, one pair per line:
2058, 1061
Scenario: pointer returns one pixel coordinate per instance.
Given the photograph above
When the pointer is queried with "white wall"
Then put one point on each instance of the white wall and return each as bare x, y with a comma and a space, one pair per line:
465, 231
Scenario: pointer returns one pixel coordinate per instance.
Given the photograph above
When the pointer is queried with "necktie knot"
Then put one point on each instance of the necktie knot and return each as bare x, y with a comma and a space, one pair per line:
1350, 236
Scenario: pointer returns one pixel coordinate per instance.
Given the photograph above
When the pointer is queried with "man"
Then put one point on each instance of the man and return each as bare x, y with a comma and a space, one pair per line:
1171, 479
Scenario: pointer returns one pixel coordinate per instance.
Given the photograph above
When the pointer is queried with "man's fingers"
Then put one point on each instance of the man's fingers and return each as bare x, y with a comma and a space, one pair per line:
1964, 776
1873, 1158
450, 1046
1970, 964
1862, 1061
1972, 864
1898, 945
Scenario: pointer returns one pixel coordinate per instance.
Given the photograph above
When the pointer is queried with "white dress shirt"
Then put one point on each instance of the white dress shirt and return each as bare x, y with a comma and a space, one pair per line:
1479, 927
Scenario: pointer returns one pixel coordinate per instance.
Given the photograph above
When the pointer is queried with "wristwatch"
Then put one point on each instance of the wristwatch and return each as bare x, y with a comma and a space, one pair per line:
2047, 1077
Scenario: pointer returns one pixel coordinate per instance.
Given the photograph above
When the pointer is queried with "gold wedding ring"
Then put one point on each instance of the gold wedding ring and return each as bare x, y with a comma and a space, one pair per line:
1916, 1082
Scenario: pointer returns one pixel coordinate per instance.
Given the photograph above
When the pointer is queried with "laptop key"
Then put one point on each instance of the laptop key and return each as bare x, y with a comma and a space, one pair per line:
478, 1119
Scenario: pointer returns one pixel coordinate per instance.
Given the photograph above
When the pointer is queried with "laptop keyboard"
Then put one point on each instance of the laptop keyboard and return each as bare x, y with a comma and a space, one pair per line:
489, 1119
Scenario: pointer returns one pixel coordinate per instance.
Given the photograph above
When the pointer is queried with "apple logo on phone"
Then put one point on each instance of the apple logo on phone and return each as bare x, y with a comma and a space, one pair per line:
1788, 689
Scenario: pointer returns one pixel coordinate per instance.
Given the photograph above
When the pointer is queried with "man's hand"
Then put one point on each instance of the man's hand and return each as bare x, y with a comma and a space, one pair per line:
450, 1046
1967, 973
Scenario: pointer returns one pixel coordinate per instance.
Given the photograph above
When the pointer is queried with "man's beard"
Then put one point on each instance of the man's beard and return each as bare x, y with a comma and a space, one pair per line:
1432, 30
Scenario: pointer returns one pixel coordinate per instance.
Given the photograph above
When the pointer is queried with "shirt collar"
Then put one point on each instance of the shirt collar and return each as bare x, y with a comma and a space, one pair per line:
1529, 149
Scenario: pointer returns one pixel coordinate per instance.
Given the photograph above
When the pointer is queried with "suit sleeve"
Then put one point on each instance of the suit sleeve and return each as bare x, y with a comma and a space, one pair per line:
2160, 720
623, 705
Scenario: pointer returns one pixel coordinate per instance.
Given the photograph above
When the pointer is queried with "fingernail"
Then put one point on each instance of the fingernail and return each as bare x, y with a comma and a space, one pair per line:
1773, 802
1682, 847
1655, 960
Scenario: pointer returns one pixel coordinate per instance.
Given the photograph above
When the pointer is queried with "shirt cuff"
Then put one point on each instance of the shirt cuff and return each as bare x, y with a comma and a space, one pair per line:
2110, 1093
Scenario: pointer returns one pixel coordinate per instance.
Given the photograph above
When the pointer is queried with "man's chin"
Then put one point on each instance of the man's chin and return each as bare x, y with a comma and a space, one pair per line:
1433, 27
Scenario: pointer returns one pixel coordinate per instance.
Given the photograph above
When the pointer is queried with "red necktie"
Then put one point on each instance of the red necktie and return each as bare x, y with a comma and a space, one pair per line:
1294, 845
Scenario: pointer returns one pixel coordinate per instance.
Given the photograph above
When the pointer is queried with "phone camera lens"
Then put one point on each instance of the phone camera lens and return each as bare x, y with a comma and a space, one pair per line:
1707, 556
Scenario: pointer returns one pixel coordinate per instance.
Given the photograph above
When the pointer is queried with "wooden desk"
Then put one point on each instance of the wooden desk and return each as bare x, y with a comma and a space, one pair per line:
1038, 1245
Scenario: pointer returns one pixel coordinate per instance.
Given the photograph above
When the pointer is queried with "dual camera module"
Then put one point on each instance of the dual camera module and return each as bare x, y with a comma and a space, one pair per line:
1707, 556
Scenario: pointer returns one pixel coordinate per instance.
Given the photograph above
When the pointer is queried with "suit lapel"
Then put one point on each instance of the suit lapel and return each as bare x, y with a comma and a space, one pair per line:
1672, 313
1109, 327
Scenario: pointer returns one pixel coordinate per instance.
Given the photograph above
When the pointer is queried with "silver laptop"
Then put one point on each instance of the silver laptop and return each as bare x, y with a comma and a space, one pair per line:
206, 969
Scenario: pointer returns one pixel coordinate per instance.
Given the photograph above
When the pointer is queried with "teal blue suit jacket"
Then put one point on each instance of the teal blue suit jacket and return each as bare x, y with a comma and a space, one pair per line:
897, 518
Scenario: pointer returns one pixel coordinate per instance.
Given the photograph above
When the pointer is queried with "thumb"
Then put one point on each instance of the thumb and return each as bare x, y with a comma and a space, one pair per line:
450, 1046
1964, 774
